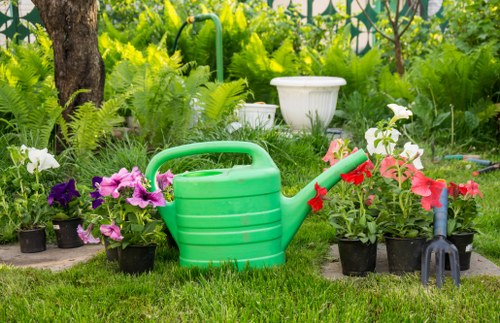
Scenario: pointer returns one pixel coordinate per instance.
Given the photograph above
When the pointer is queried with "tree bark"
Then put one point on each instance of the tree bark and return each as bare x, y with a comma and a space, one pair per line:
72, 27
398, 53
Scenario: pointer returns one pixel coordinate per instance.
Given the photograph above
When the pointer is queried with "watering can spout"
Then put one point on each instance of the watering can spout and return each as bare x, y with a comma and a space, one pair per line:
295, 209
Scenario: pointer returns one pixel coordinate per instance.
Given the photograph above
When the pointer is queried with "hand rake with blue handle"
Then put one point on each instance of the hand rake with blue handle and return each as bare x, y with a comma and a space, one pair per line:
440, 246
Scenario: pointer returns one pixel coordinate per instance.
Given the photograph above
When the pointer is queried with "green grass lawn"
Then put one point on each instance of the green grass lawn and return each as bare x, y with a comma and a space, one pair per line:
296, 291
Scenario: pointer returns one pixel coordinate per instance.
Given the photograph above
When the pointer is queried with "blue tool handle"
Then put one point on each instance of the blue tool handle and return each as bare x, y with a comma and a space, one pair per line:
480, 161
441, 214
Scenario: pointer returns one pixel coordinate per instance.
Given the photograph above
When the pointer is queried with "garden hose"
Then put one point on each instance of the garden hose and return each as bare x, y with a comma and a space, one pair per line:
218, 39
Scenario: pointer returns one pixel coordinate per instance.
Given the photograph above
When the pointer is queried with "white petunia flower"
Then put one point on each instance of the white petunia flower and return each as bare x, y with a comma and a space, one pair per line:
386, 141
40, 159
413, 153
400, 112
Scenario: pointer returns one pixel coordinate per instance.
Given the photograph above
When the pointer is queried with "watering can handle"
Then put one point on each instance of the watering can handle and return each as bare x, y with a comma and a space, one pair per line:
260, 157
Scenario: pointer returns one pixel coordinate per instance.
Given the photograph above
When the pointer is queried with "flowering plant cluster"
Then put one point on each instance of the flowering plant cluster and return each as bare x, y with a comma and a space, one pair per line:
27, 200
462, 207
125, 211
64, 201
388, 194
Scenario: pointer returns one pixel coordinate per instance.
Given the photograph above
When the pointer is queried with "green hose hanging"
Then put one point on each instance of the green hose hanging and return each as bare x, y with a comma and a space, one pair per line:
218, 39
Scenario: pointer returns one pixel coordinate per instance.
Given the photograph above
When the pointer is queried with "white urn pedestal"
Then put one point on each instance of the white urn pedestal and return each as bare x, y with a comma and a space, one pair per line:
302, 98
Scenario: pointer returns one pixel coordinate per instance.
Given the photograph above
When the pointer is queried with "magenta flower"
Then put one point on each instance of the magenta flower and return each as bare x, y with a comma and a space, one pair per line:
112, 231
112, 185
86, 235
164, 180
142, 198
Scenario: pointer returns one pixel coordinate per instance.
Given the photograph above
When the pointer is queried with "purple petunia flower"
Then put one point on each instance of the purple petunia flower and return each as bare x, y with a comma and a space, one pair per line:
164, 180
112, 231
142, 198
86, 235
63, 193
98, 200
112, 185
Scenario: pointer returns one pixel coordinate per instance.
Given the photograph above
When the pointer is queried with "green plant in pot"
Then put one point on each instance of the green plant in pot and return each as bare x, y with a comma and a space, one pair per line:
127, 217
404, 195
67, 209
462, 211
391, 191
351, 213
26, 195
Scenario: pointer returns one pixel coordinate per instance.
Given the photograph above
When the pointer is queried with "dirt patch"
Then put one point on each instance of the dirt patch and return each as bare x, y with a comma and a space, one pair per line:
479, 265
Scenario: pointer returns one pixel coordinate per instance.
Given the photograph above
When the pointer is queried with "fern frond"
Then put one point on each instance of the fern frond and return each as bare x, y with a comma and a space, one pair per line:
218, 99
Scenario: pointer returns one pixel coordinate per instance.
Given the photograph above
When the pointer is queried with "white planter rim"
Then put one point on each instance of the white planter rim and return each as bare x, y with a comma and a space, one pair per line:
259, 106
308, 81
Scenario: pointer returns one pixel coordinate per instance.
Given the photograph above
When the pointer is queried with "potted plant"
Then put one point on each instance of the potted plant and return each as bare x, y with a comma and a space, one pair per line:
126, 214
398, 194
351, 213
405, 196
66, 211
27, 196
462, 211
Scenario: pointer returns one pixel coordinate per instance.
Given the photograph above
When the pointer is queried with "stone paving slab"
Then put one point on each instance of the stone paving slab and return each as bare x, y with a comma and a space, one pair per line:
479, 265
53, 258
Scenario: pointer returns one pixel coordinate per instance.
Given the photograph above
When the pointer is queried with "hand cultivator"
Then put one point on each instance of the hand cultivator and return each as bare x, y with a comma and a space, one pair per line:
440, 246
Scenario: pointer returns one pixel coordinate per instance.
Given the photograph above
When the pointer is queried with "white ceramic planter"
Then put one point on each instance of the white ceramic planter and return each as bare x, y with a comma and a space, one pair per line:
302, 97
257, 115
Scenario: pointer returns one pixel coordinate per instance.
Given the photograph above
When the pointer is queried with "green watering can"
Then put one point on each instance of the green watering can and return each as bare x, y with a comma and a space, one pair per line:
238, 214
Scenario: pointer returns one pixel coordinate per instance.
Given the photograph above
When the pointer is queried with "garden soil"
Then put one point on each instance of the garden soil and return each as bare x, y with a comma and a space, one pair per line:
479, 265
57, 259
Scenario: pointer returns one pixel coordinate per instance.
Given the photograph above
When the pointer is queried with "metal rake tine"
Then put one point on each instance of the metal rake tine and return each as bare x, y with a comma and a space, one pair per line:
425, 266
454, 265
440, 268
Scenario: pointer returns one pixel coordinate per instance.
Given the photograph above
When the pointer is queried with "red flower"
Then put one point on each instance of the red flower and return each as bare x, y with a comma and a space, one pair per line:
429, 189
455, 190
316, 202
358, 175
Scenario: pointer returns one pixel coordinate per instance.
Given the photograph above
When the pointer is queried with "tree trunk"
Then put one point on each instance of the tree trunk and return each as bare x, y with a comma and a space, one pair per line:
72, 27
398, 53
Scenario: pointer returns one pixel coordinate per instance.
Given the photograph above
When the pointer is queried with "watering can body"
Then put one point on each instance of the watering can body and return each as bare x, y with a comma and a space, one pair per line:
236, 215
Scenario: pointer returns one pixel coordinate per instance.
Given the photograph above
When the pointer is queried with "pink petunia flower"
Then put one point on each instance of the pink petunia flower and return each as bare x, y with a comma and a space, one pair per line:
86, 235
112, 231
388, 168
142, 198
472, 188
165, 179
429, 189
112, 185
336, 151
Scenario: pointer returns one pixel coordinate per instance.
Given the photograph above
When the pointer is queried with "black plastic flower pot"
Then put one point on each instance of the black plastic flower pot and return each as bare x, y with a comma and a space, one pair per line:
357, 258
136, 259
463, 242
404, 254
111, 253
66, 234
34, 240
